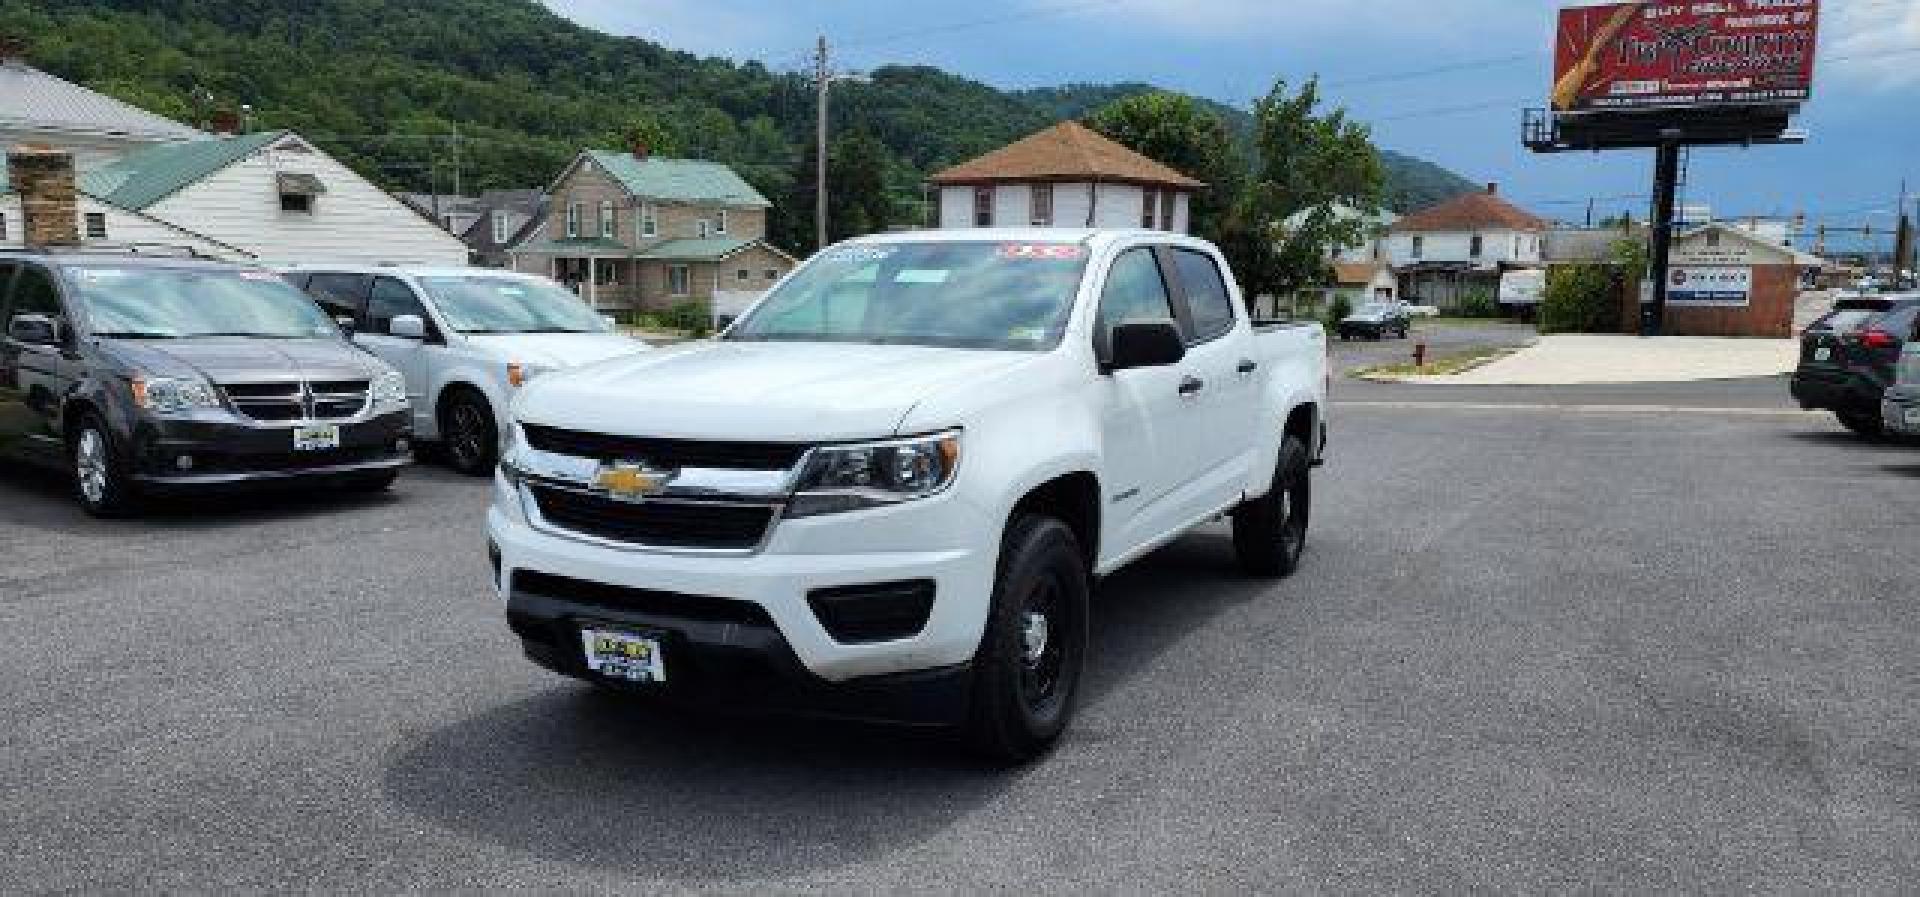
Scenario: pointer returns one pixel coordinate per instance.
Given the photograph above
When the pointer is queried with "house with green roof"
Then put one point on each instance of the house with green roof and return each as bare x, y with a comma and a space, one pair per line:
631, 230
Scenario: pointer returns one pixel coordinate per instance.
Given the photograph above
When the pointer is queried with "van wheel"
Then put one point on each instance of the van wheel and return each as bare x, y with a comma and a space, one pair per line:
100, 483
1270, 532
468, 434
1864, 424
1026, 674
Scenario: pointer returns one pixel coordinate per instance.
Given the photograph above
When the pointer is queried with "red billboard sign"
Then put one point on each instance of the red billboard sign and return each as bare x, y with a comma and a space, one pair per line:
1711, 53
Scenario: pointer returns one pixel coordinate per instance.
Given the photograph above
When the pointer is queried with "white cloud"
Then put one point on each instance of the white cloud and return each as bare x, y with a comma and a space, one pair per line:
1872, 44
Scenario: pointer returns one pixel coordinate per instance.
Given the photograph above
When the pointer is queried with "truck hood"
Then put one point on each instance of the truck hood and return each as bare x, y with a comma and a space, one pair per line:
246, 360
777, 392
556, 350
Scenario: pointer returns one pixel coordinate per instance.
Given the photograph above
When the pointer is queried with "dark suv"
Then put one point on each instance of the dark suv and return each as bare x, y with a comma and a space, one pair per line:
1848, 357
139, 374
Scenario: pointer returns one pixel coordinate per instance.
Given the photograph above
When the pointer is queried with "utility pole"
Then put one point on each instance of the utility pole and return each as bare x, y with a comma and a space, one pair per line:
822, 77
1589, 213
1666, 184
1902, 240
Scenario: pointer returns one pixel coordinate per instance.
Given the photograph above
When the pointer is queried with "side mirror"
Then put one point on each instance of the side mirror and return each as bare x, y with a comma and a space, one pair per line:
34, 330
1144, 344
346, 323
407, 327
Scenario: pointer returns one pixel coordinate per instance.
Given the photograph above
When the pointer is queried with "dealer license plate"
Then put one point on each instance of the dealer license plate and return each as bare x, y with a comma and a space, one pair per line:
627, 656
1822, 354
316, 438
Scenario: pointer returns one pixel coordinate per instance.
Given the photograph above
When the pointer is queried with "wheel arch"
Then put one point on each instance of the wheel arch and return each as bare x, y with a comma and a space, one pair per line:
1072, 498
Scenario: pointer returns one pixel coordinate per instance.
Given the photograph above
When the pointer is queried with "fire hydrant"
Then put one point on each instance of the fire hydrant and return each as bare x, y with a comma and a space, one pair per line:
1420, 354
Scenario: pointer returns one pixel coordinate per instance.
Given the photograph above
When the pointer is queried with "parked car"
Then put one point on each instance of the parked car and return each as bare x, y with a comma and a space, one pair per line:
140, 375
1900, 407
467, 339
1847, 358
1376, 320
887, 490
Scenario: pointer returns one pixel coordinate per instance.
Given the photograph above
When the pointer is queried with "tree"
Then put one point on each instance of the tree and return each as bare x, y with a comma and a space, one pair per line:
1176, 131
857, 200
1311, 168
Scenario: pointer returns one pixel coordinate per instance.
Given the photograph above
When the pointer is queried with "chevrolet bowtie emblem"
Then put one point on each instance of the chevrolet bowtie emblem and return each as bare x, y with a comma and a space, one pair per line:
631, 481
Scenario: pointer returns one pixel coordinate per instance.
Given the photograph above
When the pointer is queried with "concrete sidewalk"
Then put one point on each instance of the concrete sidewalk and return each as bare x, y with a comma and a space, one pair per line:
1570, 359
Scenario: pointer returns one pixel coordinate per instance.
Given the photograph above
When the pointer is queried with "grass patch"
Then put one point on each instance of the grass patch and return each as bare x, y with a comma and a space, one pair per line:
1445, 365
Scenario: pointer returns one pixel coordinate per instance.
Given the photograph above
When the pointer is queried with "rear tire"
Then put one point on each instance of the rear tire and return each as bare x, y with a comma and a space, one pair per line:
100, 481
1270, 532
1870, 426
1026, 673
468, 434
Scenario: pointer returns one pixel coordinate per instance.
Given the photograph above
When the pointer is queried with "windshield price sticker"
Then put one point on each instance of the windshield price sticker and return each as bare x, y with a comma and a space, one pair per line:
859, 254
1046, 252
258, 275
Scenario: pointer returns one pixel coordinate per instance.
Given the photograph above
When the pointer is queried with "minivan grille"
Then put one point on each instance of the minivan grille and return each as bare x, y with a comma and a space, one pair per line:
293, 400
656, 524
670, 453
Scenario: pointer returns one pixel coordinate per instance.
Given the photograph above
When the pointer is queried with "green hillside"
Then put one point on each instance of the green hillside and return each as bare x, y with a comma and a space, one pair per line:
524, 88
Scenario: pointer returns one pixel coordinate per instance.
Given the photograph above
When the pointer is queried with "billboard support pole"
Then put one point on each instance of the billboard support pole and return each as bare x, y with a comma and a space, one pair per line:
1666, 186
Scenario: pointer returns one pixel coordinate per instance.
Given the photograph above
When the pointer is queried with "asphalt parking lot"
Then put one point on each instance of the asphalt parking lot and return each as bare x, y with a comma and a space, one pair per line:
1623, 639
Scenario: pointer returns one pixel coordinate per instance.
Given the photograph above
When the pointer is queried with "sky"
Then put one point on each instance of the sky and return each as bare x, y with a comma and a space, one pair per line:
1440, 79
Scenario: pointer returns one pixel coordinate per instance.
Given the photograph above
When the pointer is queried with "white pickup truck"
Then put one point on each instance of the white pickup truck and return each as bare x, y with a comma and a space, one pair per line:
886, 491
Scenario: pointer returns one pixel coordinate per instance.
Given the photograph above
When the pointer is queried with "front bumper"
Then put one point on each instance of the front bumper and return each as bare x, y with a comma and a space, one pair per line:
1900, 410
720, 608
230, 451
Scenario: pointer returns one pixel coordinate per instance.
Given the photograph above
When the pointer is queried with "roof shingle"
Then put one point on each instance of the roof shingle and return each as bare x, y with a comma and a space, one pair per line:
1066, 151
34, 99
148, 175
1479, 210
679, 180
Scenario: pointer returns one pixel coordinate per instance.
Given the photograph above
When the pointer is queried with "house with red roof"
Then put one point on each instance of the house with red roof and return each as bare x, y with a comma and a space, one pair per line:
1065, 176
1462, 246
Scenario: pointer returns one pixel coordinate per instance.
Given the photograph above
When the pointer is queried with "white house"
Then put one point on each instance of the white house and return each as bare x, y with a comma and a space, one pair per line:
38, 109
1065, 176
1461, 246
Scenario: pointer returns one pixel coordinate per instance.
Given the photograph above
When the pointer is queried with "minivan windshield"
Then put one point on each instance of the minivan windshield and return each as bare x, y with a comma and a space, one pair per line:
981, 295
180, 303
491, 303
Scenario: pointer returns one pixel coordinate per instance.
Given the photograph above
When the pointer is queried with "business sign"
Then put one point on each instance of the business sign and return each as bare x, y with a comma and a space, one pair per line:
1722, 287
1716, 53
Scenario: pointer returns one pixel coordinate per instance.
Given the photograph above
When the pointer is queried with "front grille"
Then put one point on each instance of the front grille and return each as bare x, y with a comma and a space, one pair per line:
670, 453
647, 601
292, 401
657, 524
879, 612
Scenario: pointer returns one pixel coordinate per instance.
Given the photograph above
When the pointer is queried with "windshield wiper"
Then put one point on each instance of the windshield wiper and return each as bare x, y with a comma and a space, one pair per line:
134, 334
247, 335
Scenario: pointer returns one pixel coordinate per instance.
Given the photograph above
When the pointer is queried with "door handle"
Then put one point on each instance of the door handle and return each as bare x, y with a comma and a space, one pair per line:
1248, 366
1191, 386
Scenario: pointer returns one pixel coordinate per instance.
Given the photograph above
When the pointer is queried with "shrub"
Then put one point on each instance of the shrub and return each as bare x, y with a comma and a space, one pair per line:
1338, 309
690, 316
1580, 299
1479, 304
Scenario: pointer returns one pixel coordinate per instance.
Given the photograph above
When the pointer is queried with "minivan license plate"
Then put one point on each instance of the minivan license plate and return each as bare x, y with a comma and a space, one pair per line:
316, 438
1822, 354
626, 656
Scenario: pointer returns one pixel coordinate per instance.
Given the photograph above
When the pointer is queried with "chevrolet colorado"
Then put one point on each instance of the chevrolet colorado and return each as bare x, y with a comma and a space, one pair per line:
886, 491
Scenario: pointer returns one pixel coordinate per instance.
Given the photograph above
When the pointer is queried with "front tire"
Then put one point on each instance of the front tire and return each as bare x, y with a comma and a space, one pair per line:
1028, 667
468, 434
1270, 532
100, 482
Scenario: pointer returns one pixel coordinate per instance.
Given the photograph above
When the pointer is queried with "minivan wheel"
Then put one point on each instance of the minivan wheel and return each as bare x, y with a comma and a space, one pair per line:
99, 482
1028, 667
1270, 532
468, 434
1864, 424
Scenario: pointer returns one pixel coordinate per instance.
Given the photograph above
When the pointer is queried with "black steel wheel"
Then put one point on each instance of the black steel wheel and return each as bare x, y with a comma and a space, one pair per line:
1270, 532
468, 433
1028, 667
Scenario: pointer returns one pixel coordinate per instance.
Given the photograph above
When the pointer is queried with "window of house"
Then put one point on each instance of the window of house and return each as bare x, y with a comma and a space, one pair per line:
743, 275
575, 212
983, 207
606, 274
720, 222
703, 228
3, 230
607, 220
1474, 247
296, 203
773, 273
649, 221
298, 191
1149, 204
1042, 202
679, 280
96, 225
500, 234
1713, 239
1166, 210
1419, 246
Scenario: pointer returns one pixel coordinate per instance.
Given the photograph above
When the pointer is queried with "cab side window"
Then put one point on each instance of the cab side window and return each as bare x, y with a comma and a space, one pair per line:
1135, 292
340, 295
1207, 295
391, 299
34, 293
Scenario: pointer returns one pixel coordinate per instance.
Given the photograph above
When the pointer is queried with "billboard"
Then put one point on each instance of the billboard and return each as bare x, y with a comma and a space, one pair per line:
1616, 57
1724, 287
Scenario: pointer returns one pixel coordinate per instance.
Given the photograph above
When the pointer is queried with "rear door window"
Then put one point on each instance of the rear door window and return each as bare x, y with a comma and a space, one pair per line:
1206, 292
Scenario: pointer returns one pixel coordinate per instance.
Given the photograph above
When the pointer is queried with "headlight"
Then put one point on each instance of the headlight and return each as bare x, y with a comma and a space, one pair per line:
390, 388
518, 374
167, 395
852, 477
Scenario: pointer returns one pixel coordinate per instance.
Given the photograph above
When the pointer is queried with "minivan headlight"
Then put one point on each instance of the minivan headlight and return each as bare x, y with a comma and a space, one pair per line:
169, 395
841, 478
390, 388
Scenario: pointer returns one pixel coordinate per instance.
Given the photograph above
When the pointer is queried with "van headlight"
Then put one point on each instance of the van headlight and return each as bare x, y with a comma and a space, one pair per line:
841, 478
390, 389
169, 395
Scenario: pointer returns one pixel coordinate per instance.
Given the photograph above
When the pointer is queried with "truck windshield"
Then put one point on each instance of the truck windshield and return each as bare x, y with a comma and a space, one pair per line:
482, 303
180, 303
1006, 296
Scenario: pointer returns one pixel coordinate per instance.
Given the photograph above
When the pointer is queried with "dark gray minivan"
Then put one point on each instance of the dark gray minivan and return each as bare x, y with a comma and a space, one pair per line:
139, 374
